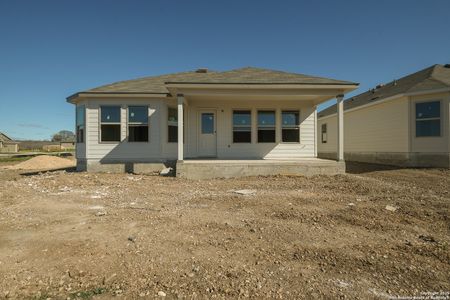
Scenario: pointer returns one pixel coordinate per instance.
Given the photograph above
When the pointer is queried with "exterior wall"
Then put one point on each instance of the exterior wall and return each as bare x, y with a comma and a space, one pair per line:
385, 133
9, 148
226, 149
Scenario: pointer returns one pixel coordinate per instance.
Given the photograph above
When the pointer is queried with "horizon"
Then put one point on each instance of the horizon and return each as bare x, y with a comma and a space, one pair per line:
53, 49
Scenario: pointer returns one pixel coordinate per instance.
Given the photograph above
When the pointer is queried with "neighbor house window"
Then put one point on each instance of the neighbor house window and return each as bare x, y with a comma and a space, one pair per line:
290, 130
266, 126
242, 126
80, 121
110, 123
324, 133
138, 123
428, 119
172, 123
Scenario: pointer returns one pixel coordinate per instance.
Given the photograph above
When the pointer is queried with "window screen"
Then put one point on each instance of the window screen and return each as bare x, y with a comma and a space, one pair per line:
290, 130
242, 126
428, 119
266, 126
138, 124
110, 123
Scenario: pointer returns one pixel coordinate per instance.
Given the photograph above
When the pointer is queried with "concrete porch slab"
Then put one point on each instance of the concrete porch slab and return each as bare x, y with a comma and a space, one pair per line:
218, 168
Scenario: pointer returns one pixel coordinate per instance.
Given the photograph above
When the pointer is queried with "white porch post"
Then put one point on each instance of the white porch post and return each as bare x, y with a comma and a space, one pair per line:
180, 126
340, 127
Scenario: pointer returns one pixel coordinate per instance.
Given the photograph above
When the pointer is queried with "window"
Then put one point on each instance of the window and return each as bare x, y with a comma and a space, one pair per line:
290, 130
207, 123
266, 126
138, 124
110, 123
324, 133
242, 126
79, 123
428, 119
172, 123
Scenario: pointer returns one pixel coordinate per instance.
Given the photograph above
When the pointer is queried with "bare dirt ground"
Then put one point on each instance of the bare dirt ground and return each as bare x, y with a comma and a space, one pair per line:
80, 236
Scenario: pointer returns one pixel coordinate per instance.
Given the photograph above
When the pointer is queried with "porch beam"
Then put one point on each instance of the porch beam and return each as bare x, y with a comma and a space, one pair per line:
340, 127
181, 101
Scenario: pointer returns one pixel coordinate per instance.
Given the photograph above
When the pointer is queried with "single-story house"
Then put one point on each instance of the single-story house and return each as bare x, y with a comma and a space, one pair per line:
203, 118
403, 123
7, 145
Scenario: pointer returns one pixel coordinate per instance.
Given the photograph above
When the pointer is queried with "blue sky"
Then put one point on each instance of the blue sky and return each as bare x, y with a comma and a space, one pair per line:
52, 49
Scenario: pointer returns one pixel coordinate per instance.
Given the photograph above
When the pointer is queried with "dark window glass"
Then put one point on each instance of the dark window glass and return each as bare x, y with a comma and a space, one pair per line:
324, 133
242, 130
138, 133
80, 121
207, 123
110, 133
266, 127
290, 130
428, 122
172, 122
138, 114
138, 124
110, 114
428, 110
428, 128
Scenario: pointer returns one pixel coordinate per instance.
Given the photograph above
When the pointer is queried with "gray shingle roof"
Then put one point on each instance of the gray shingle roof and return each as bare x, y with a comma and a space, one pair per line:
249, 75
431, 78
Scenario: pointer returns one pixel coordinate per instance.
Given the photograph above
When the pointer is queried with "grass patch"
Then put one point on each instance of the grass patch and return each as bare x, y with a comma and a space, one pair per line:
88, 294
14, 159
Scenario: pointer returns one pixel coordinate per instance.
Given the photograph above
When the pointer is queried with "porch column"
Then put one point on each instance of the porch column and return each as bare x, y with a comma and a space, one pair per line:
180, 126
340, 127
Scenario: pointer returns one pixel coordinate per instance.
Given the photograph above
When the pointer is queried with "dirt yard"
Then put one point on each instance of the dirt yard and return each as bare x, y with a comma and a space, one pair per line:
80, 236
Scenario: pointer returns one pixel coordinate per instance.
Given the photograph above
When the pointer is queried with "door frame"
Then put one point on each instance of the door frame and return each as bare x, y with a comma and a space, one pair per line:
199, 129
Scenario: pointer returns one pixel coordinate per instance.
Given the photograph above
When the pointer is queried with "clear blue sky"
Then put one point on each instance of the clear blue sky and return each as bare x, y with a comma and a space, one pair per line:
51, 49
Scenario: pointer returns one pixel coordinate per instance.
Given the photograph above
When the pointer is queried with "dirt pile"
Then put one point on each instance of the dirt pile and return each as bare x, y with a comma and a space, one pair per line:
44, 162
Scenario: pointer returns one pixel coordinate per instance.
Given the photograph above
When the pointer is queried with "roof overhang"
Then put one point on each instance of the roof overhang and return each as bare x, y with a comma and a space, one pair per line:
83, 95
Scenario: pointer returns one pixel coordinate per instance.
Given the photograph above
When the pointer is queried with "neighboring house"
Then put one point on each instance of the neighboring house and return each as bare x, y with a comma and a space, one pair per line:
404, 122
7, 145
248, 113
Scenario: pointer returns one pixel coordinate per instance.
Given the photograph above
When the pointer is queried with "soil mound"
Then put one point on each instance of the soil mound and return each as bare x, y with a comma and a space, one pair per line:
44, 162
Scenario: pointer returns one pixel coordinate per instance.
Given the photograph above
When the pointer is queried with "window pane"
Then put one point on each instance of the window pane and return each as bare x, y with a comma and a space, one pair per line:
242, 135
173, 134
207, 123
266, 136
324, 128
110, 133
428, 110
110, 114
291, 135
266, 118
242, 118
428, 128
138, 114
173, 115
138, 134
290, 118
80, 115
80, 134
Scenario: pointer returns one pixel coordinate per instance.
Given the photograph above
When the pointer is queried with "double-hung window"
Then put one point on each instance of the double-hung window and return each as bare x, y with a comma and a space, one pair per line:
110, 123
138, 123
428, 119
266, 126
290, 130
242, 126
80, 121
324, 133
172, 122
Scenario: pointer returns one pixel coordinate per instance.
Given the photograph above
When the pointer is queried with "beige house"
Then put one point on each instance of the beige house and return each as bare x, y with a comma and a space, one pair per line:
7, 145
201, 116
404, 122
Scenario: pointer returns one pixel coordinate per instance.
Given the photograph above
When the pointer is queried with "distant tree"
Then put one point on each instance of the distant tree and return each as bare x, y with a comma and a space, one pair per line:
63, 136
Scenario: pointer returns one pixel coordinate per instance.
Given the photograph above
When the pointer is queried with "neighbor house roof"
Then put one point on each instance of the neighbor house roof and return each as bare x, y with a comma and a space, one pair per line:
432, 78
4, 137
248, 75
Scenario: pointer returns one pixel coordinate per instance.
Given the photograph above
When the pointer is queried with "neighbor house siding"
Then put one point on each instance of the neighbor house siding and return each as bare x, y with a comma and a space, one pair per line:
380, 127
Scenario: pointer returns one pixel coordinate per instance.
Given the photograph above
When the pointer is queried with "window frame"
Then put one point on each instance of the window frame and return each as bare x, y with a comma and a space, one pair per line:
232, 125
112, 123
297, 126
322, 132
428, 119
137, 124
83, 135
274, 126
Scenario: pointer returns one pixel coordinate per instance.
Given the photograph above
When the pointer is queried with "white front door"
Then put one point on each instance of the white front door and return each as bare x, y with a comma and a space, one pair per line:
207, 145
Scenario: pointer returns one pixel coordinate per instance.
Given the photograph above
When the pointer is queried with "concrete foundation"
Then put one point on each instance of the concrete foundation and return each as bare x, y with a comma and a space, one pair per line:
406, 160
123, 167
208, 169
